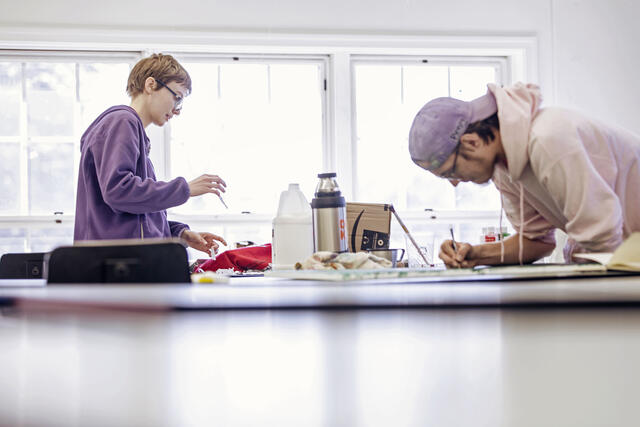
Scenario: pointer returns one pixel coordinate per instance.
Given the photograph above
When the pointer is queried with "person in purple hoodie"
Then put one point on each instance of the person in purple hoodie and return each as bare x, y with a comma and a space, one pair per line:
118, 195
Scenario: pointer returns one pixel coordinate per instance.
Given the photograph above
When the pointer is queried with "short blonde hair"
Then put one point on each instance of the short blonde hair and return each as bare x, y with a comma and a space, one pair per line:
159, 66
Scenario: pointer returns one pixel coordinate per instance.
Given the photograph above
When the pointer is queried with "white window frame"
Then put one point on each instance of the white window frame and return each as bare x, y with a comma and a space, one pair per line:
520, 54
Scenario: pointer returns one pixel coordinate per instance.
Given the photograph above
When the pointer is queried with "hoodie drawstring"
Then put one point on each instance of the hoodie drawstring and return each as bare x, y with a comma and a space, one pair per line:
520, 236
500, 231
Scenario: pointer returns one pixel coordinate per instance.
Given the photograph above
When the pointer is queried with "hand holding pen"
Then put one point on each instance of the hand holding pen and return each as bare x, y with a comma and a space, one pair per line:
455, 254
207, 183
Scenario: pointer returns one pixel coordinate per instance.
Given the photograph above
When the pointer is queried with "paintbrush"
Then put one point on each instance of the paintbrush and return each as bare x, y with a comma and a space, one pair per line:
406, 230
222, 200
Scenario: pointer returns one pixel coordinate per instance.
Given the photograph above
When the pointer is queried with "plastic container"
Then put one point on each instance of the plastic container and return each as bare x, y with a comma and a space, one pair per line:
292, 230
491, 234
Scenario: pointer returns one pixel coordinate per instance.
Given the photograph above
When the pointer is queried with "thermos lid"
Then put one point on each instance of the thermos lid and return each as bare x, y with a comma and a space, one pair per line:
327, 186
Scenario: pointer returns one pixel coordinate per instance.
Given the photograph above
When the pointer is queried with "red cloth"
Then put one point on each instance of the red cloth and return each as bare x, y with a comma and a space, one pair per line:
241, 259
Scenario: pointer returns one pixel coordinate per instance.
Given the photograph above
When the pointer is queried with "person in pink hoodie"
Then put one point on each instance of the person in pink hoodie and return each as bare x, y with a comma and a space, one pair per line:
554, 168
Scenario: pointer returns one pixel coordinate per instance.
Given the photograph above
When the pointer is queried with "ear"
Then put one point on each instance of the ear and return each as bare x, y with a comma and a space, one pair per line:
149, 84
471, 141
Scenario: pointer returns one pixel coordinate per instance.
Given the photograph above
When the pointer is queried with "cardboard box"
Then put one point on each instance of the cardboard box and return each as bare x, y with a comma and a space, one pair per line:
369, 226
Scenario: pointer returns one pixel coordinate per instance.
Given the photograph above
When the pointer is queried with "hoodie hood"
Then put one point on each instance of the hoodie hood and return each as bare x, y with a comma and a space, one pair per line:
117, 109
517, 106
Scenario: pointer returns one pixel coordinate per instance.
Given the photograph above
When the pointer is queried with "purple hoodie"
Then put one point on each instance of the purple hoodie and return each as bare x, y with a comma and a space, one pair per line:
118, 195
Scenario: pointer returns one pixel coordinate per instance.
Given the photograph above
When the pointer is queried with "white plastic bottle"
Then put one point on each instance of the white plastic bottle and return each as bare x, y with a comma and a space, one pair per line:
292, 230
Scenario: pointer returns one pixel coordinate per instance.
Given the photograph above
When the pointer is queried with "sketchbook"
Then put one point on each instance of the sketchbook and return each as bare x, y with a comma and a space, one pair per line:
625, 258
508, 272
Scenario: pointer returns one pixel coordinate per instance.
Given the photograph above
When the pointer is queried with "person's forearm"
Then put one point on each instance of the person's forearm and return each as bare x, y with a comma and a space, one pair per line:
489, 253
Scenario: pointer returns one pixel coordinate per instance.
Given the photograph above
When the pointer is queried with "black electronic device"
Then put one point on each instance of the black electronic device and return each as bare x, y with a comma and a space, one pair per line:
119, 261
22, 265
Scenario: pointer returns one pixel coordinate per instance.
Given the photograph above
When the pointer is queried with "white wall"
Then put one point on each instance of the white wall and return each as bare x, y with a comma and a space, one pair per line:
587, 48
276, 15
597, 58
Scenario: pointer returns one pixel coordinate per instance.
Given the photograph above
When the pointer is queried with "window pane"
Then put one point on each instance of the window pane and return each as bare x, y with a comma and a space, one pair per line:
51, 178
50, 98
10, 83
378, 100
388, 96
385, 171
13, 240
101, 86
422, 83
54, 95
49, 238
257, 126
470, 82
10, 178
475, 196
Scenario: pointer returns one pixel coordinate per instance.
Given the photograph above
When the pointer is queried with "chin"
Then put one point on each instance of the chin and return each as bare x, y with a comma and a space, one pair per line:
482, 181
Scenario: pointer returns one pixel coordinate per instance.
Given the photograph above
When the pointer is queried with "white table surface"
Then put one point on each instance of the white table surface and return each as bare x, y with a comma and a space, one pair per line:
259, 292
80, 355
564, 366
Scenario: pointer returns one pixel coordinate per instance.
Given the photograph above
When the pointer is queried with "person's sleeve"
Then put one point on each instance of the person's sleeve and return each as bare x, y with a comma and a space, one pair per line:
592, 209
177, 228
534, 226
122, 190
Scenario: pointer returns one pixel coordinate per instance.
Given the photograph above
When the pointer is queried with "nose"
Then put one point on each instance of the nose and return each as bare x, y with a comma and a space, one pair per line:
176, 111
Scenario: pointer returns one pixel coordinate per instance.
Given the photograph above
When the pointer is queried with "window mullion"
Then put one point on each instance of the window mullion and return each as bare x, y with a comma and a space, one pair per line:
77, 130
23, 140
339, 153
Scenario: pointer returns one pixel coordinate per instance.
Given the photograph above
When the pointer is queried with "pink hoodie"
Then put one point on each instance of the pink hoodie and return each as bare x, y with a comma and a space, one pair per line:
566, 171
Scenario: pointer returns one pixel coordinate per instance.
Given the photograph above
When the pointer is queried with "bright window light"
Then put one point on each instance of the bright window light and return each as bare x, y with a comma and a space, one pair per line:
257, 125
388, 96
48, 103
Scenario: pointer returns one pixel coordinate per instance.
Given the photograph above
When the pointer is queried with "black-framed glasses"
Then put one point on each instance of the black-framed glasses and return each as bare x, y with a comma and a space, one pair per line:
177, 103
451, 173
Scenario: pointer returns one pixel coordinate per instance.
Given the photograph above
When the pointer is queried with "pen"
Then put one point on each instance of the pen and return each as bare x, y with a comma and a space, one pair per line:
453, 240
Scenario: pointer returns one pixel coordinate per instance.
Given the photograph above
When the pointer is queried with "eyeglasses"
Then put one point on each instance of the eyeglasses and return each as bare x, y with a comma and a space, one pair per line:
451, 173
177, 103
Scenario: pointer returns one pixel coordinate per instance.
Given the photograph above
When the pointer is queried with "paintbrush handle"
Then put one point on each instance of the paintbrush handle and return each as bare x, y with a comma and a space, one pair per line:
406, 230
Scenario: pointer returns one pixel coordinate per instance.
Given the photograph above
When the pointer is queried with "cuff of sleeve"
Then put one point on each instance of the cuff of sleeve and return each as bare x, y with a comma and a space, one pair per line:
180, 229
185, 189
